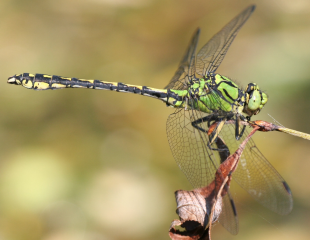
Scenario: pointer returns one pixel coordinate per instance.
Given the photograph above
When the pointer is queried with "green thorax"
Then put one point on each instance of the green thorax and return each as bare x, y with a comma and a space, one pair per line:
213, 93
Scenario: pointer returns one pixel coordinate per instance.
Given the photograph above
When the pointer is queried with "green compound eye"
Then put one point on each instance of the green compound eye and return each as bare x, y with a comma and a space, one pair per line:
255, 101
264, 99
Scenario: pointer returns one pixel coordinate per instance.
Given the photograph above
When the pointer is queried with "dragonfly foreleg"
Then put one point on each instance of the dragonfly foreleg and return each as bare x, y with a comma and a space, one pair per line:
239, 117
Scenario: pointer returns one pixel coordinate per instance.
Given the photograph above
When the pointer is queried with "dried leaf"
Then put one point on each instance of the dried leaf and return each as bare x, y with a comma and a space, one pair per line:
200, 208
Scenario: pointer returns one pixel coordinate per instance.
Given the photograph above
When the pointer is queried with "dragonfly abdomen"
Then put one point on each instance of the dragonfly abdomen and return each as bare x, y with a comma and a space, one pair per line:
46, 82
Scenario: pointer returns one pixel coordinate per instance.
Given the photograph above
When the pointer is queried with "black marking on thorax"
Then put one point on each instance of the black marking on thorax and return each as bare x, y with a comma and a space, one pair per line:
228, 95
214, 86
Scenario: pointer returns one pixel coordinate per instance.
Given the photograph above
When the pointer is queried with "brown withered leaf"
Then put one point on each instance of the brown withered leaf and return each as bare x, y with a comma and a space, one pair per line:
200, 208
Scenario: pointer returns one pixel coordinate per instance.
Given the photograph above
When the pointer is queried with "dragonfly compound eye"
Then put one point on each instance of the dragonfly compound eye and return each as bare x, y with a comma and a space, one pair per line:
256, 99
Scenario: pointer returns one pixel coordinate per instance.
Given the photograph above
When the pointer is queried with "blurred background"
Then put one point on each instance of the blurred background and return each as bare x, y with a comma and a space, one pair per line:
96, 165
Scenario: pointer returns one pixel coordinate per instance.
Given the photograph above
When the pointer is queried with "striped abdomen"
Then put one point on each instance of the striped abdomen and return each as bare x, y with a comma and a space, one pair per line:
45, 82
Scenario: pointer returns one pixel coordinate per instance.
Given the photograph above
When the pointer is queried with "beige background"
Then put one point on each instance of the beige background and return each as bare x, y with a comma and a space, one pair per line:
96, 165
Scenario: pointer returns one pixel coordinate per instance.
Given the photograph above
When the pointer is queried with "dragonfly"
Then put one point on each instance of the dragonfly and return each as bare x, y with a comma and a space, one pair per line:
201, 97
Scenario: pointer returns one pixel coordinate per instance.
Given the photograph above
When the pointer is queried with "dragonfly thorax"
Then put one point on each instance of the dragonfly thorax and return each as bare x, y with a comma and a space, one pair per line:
216, 93
219, 93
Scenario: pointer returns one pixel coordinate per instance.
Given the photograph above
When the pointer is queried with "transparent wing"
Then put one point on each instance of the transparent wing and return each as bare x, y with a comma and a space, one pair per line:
197, 161
189, 148
228, 217
257, 176
212, 53
186, 67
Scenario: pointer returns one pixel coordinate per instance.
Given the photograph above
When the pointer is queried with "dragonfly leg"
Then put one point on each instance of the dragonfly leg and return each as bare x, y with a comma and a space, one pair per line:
208, 119
237, 128
214, 134
239, 117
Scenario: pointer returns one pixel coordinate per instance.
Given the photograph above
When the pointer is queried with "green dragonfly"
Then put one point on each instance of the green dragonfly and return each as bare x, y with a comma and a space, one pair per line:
202, 97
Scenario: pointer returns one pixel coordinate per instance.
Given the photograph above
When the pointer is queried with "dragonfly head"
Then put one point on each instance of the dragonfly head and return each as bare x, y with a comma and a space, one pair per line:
16, 79
255, 99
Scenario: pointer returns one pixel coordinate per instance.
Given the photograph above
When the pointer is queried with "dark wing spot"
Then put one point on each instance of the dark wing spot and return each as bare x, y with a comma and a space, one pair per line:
287, 188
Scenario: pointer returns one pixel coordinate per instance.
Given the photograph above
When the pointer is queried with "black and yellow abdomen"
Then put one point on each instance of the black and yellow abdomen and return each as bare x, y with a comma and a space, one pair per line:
46, 82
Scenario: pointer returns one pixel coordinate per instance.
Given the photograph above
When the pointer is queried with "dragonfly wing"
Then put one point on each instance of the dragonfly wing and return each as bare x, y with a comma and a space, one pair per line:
257, 176
189, 148
212, 53
197, 161
228, 217
185, 70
